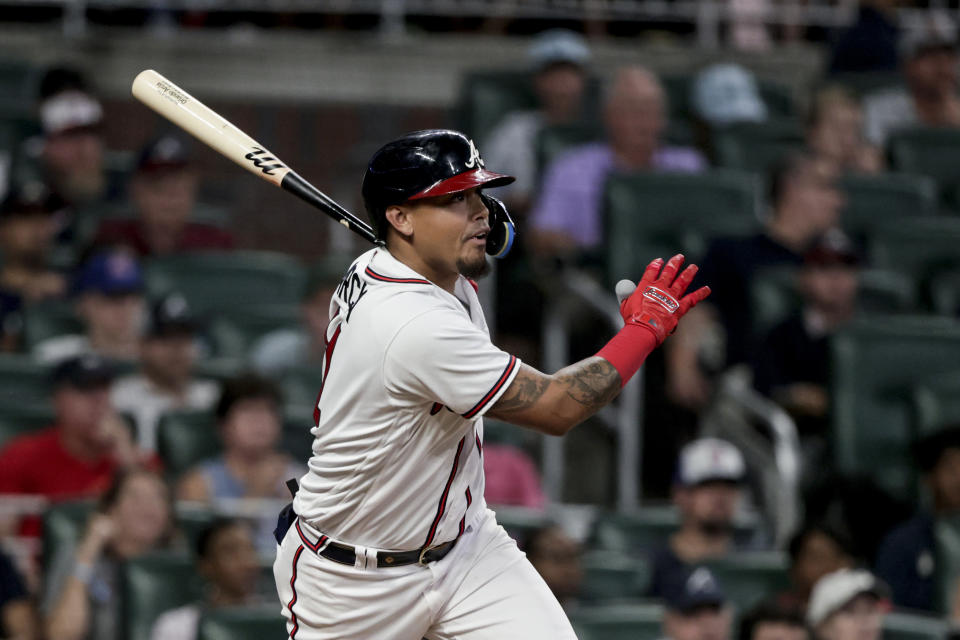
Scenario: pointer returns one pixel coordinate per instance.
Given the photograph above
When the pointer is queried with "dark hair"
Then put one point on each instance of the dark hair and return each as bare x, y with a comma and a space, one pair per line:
534, 538
121, 477
836, 533
929, 448
210, 533
59, 79
783, 171
246, 386
769, 612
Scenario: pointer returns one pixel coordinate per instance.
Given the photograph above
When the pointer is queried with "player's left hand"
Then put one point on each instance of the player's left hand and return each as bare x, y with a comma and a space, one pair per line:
658, 302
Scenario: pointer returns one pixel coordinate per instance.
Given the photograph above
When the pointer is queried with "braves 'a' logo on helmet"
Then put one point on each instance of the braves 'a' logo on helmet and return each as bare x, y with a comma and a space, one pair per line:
474, 160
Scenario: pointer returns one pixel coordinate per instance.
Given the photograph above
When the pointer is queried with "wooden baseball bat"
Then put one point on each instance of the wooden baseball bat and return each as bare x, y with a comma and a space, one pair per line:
205, 124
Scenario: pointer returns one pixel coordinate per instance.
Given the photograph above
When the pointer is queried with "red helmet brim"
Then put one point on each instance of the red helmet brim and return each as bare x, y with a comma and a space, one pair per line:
464, 181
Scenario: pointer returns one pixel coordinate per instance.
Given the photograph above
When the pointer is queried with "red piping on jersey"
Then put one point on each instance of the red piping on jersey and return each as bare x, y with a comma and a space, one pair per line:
327, 356
293, 600
435, 409
464, 518
443, 498
313, 546
476, 437
496, 387
376, 276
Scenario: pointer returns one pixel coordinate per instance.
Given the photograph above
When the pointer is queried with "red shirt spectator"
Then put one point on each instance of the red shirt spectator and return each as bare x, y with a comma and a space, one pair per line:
511, 477
193, 236
40, 464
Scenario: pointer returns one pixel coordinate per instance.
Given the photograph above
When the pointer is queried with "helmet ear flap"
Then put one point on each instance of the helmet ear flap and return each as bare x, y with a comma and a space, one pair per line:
502, 230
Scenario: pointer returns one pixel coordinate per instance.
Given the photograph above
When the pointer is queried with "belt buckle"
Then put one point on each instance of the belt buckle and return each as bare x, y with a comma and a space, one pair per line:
424, 552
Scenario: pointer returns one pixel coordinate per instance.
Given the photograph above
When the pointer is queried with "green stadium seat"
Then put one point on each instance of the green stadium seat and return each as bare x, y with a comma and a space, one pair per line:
153, 584
224, 282
929, 152
300, 385
496, 432
922, 249
650, 215
776, 96
191, 520
901, 625
555, 140
233, 335
946, 534
20, 419
747, 577
47, 320
184, 438
756, 146
889, 196
297, 439
936, 402
19, 83
945, 292
637, 621
875, 362
243, 623
520, 522
22, 380
634, 533
63, 524
609, 576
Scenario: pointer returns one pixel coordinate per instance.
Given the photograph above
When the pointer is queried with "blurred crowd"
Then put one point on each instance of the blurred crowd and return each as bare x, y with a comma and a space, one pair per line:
157, 379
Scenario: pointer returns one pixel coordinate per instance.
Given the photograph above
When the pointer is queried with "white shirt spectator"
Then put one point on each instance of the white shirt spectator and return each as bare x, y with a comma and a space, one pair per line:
138, 396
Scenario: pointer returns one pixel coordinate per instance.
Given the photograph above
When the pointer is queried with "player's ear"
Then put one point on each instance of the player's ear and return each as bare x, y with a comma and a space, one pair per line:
399, 218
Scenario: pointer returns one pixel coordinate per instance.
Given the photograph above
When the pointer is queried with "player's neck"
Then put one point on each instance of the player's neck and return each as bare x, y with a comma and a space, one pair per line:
405, 253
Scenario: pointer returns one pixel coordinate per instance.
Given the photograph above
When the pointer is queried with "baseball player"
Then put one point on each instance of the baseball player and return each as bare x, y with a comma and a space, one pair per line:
389, 536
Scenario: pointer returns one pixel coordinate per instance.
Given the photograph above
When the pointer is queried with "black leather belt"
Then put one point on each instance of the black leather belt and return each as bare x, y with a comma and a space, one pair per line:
345, 554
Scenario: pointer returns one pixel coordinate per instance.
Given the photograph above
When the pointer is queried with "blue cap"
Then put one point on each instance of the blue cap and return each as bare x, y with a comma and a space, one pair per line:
693, 589
85, 372
725, 94
114, 272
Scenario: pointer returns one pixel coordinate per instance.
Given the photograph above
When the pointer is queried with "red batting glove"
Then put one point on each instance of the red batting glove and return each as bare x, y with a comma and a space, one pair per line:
659, 302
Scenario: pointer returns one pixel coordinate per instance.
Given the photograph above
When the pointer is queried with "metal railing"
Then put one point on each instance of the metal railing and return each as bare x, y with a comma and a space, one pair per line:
579, 292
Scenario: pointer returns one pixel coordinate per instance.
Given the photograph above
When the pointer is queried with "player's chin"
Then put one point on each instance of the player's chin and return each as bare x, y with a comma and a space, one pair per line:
473, 266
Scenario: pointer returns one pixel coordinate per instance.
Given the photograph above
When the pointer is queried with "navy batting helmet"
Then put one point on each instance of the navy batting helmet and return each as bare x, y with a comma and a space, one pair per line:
431, 163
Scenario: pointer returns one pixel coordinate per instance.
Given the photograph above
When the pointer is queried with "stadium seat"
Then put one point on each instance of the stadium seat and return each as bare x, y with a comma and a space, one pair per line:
776, 96
19, 419
297, 439
191, 520
637, 621
748, 577
650, 215
63, 523
47, 320
634, 533
153, 584
945, 292
233, 335
225, 282
756, 146
184, 438
554, 141
874, 363
19, 82
936, 402
23, 381
946, 533
243, 623
610, 576
889, 196
929, 152
300, 385
900, 625
922, 249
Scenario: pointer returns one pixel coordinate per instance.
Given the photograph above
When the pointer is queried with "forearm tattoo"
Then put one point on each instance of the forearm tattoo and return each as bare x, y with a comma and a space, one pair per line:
593, 382
526, 389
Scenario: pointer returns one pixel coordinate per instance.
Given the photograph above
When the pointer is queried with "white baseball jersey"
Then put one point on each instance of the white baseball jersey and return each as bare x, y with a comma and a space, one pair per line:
408, 372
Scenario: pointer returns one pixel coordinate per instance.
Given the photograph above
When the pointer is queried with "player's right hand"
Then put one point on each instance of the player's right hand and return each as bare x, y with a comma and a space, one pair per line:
658, 302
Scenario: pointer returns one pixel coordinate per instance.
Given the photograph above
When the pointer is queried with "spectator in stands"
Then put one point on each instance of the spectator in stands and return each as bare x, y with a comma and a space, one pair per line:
928, 53
726, 94
793, 363
906, 559
566, 219
282, 349
769, 621
557, 58
847, 605
707, 492
82, 594
816, 550
109, 300
696, 608
164, 193
26, 237
511, 477
557, 558
227, 561
805, 203
18, 615
251, 465
870, 43
165, 382
71, 153
835, 133
88, 443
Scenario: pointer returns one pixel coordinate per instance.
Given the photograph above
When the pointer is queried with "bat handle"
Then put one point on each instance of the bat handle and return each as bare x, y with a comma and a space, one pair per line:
299, 187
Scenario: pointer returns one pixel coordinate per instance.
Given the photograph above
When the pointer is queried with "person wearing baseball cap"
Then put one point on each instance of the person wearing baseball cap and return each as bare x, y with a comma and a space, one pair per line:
164, 194
165, 380
707, 491
928, 57
108, 299
793, 363
848, 604
696, 607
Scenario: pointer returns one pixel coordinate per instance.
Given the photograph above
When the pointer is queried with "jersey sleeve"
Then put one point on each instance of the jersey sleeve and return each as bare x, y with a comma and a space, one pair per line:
440, 356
